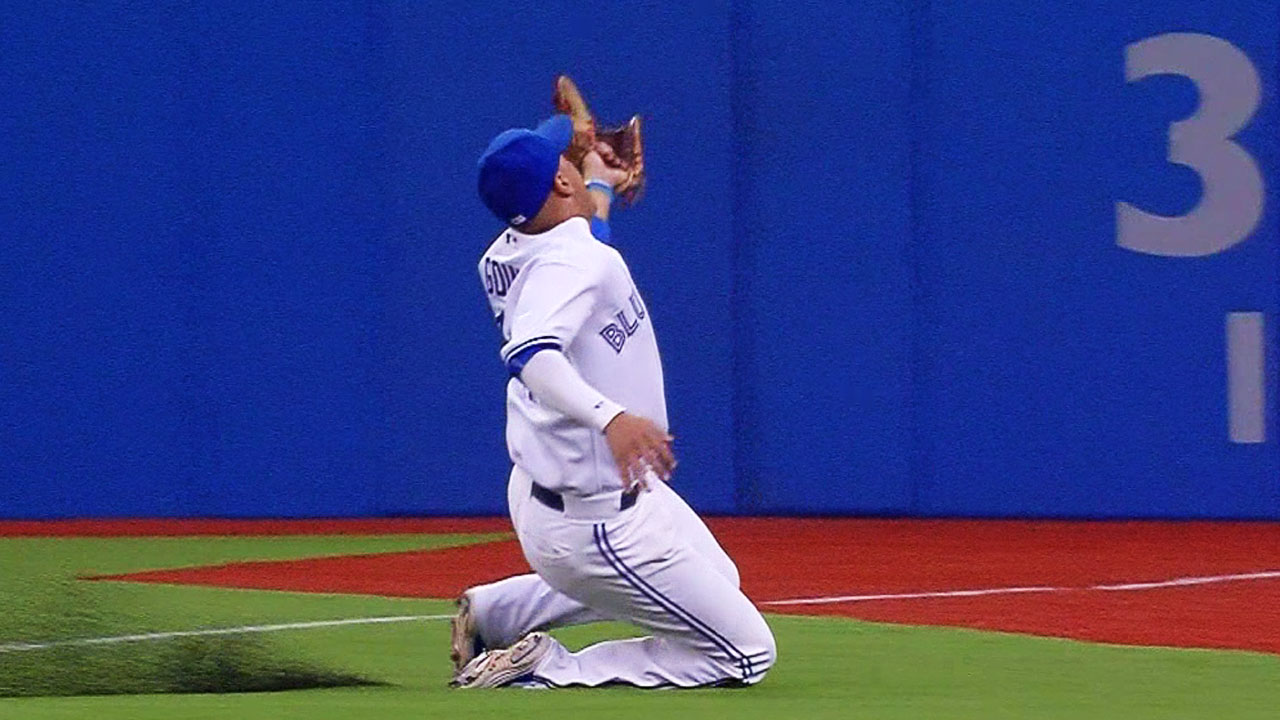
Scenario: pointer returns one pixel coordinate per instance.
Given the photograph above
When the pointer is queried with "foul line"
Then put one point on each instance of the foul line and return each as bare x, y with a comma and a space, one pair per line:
1118, 587
18, 647
1110, 587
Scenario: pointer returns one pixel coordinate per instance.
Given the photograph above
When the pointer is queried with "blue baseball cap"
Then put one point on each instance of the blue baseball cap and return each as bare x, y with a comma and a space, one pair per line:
519, 166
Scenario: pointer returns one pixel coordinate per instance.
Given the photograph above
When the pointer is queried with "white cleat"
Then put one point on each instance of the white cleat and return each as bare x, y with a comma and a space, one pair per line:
463, 643
496, 668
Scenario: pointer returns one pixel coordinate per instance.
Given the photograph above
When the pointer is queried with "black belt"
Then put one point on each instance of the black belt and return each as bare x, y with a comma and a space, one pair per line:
553, 500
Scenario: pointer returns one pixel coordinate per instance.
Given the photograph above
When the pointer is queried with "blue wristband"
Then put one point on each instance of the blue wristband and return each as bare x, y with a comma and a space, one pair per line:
601, 186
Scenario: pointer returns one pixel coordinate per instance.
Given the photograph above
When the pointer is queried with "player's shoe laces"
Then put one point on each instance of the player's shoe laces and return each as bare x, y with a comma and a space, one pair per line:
464, 641
496, 668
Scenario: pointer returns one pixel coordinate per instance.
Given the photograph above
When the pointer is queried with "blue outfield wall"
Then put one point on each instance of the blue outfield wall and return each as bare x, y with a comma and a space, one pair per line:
881, 244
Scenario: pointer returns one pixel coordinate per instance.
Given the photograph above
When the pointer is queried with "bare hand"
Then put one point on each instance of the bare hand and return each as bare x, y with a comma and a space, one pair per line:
602, 164
639, 446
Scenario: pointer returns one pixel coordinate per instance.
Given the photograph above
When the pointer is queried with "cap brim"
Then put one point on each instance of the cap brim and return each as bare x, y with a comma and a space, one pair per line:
558, 129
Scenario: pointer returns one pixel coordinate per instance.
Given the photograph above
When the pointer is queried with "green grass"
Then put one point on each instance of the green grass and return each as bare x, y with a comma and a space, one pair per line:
828, 668
43, 602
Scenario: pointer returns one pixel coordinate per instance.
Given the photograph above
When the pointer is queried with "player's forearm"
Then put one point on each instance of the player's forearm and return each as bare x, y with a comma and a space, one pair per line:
556, 384
602, 195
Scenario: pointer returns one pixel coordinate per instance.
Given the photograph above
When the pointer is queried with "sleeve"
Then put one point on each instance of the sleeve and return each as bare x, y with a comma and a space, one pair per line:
600, 229
555, 383
554, 302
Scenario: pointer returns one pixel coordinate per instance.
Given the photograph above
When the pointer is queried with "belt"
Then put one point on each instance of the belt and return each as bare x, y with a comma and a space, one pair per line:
555, 500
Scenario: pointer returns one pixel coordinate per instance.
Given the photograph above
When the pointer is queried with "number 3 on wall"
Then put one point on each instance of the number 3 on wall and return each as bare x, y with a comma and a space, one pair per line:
1231, 202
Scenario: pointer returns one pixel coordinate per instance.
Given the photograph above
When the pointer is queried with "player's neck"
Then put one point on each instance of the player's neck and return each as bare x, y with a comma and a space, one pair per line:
540, 224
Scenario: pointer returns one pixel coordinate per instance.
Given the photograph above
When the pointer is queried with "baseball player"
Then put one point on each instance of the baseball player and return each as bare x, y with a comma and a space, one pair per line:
608, 539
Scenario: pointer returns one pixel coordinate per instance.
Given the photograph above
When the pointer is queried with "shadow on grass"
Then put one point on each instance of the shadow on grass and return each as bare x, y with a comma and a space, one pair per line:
209, 664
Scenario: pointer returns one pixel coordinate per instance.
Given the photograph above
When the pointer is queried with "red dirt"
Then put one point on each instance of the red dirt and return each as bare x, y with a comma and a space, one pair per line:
789, 558
1231, 615
414, 573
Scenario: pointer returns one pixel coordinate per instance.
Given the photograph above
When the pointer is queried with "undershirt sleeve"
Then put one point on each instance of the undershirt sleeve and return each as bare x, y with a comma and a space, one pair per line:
600, 229
556, 384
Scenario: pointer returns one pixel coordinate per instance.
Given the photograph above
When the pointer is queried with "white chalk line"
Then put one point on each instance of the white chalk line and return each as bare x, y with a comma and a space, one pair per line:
144, 637
1115, 587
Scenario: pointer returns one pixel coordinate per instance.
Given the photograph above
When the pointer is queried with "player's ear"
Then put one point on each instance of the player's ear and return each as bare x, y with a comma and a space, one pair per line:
562, 186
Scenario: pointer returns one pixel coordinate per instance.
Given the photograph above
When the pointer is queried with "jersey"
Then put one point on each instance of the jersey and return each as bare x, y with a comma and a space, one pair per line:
566, 290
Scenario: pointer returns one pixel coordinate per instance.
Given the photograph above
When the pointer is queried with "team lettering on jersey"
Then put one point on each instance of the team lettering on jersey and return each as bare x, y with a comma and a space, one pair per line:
616, 333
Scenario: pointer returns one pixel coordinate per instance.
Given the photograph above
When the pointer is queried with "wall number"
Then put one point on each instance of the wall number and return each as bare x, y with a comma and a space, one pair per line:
1231, 202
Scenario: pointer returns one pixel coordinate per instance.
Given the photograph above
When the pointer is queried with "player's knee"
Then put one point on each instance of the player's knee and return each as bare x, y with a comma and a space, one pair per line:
763, 653
770, 649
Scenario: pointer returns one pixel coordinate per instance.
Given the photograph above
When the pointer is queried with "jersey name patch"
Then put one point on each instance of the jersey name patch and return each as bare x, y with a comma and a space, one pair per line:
498, 277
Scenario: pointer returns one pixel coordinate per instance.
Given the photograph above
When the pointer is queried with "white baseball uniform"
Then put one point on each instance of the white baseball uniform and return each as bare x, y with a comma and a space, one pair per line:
597, 554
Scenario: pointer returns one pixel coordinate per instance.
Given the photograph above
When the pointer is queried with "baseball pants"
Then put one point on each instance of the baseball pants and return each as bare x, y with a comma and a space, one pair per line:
655, 565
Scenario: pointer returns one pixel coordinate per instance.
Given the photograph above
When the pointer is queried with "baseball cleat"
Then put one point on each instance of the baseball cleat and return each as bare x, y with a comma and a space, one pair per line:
464, 640
496, 668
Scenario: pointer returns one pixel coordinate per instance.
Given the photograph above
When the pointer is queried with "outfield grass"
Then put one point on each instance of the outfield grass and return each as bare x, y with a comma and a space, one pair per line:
827, 667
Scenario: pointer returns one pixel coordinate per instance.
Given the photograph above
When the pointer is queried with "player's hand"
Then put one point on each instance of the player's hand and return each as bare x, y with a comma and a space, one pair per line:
603, 164
639, 446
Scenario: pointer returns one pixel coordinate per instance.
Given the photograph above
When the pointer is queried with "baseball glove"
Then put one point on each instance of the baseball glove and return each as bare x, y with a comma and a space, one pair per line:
621, 147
